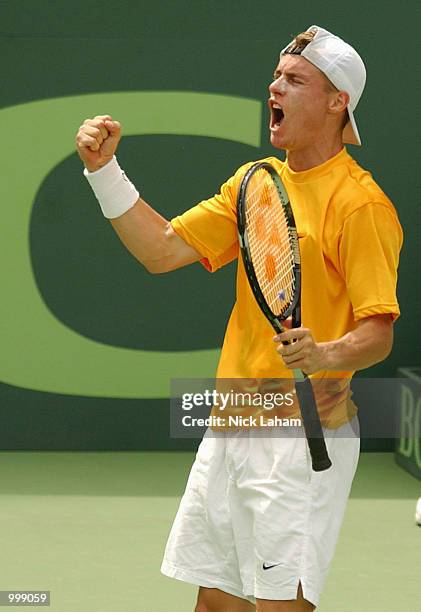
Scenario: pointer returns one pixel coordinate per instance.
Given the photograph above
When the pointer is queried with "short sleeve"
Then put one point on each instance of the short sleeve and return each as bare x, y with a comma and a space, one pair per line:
211, 226
369, 250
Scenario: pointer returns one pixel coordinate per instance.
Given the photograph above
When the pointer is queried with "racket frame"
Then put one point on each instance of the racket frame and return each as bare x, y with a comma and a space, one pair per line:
310, 417
293, 308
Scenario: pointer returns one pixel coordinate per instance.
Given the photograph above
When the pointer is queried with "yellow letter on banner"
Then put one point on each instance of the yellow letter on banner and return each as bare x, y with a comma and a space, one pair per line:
37, 350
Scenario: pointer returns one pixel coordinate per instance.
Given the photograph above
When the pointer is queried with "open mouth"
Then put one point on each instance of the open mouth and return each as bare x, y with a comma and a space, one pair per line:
277, 115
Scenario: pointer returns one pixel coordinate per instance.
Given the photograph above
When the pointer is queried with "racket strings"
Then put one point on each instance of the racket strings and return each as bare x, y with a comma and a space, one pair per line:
270, 242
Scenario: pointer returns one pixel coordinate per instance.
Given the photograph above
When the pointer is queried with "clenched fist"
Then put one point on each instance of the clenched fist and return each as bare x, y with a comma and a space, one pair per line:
97, 140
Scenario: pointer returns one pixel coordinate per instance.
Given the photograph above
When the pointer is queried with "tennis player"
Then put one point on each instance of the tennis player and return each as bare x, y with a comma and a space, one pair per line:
256, 527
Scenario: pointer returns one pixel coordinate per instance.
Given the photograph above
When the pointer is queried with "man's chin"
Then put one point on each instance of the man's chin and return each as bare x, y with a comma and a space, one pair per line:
277, 142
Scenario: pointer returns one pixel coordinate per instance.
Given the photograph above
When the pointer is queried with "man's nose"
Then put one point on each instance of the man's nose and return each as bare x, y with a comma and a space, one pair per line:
278, 86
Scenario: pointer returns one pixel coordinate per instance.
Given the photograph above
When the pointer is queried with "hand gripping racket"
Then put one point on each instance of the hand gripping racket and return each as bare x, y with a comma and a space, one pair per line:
271, 255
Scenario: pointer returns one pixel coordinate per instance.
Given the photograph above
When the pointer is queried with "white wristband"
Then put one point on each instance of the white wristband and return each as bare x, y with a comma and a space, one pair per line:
114, 191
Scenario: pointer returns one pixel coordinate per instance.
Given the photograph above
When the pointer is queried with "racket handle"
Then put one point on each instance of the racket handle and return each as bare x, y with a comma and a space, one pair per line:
320, 460
312, 426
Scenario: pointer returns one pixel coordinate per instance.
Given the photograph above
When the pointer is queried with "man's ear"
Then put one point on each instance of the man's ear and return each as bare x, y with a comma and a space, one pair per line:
338, 101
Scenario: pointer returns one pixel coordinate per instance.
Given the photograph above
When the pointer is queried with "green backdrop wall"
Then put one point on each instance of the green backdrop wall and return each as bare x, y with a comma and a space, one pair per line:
89, 340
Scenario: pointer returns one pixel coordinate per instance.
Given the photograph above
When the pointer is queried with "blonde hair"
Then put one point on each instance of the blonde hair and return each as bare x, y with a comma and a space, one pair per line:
301, 41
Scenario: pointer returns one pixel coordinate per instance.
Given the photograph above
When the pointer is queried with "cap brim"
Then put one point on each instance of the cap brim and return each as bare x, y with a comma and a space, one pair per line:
350, 133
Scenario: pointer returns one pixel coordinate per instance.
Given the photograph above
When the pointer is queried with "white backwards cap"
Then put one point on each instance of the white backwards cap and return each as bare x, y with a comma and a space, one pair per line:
343, 67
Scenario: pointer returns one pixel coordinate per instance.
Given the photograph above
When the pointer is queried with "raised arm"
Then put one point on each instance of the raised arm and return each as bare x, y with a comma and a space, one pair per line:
152, 241
148, 236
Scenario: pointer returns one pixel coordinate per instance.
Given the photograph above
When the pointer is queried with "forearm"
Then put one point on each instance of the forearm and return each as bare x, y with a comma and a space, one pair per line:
143, 231
369, 343
148, 236
151, 239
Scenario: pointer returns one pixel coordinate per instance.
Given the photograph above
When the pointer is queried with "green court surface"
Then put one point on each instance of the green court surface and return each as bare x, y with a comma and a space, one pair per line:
91, 528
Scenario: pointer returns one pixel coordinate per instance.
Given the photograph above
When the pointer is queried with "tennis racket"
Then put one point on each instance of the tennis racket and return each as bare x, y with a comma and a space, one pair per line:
271, 255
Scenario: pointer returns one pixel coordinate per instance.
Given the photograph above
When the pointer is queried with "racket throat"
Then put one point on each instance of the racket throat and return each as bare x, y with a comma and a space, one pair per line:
277, 325
296, 316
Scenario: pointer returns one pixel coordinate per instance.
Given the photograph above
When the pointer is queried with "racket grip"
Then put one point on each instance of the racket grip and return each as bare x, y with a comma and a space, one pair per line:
320, 460
312, 426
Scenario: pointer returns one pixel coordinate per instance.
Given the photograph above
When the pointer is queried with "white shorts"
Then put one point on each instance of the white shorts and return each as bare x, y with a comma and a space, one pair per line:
255, 520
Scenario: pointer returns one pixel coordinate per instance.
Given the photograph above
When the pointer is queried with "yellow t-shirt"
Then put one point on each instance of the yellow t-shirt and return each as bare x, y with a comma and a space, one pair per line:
350, 239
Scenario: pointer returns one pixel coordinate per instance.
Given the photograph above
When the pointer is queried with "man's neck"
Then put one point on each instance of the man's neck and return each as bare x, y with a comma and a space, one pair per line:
310, 157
